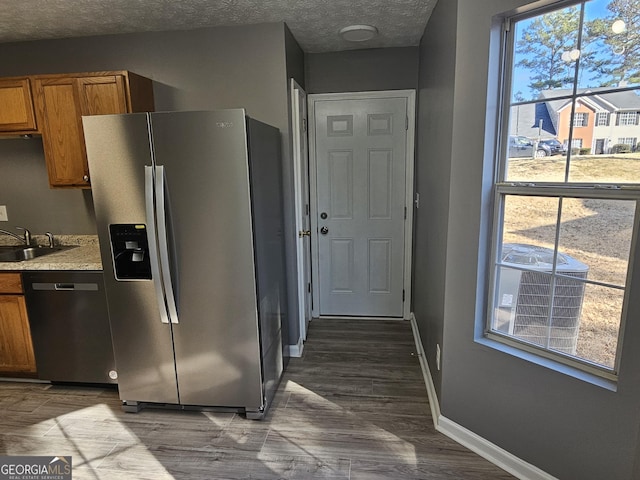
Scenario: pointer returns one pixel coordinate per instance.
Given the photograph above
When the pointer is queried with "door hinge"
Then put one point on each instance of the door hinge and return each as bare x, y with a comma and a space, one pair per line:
309, 287
405, 213
306, 209
403, 295
304, 124
406, 123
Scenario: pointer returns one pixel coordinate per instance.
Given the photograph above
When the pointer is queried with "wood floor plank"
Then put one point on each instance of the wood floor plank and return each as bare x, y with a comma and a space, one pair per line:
353, 407
457, 468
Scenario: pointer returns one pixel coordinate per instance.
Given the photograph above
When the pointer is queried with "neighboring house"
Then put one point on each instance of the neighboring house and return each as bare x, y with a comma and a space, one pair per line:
600, 121
532, 121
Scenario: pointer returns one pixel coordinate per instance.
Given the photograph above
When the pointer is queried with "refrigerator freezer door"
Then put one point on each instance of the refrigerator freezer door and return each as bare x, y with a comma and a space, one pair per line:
217, 345
118, 148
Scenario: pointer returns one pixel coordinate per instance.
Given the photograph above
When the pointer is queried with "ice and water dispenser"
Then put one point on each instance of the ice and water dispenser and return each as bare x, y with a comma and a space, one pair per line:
130, 250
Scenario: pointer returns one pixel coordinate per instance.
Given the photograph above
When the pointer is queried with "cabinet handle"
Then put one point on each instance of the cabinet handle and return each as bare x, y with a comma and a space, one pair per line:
85, 178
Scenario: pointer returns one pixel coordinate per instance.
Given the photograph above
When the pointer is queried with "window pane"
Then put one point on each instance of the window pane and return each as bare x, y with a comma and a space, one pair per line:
597, 233
546, 50
610, 44
600, 325
530, 221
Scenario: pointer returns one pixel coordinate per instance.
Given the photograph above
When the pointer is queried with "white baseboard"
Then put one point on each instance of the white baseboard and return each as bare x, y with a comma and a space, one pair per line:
495, 454
294, 350
426, 373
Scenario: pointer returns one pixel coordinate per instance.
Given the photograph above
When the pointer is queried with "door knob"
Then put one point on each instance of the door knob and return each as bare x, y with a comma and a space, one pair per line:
324, 230
304, 233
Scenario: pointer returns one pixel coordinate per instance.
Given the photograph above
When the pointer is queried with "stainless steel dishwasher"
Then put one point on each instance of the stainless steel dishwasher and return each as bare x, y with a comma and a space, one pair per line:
70, 326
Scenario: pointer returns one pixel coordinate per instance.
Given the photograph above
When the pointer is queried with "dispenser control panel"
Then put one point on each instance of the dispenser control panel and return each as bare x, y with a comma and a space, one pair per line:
130, 251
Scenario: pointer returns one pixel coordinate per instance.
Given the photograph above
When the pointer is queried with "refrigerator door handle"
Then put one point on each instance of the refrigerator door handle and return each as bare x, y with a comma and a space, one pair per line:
163, 244
156, 275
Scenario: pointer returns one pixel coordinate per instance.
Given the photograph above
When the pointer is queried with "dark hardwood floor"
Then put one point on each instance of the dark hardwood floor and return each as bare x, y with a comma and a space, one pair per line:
353, 407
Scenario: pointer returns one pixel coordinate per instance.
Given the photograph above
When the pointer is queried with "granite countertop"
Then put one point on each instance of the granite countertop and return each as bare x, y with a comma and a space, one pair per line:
84, 256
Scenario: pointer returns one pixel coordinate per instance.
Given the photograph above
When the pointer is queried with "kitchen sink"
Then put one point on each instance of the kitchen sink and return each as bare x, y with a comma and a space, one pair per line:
21, 253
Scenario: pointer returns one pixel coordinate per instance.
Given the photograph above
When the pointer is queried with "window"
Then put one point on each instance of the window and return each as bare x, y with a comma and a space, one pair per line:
627, 118
602, 119
631, 141
564, 225
580, 119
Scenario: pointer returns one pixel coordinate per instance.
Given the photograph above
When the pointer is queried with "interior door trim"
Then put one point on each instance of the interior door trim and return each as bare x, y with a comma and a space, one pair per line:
410, 96
300, 177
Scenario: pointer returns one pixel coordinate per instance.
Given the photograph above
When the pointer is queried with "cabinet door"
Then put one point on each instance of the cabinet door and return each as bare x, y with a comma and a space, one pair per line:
102, 95
16, 114
58, 110
16, 349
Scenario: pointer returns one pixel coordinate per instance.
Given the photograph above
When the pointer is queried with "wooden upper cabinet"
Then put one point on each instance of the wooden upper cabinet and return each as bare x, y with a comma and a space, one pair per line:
61, 127
102, 95
16, 106
62, 100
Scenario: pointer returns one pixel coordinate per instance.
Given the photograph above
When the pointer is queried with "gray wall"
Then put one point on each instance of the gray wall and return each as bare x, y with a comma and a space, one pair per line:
362, 70
226, 67
295, 70
434, 136
24, 189
570, 428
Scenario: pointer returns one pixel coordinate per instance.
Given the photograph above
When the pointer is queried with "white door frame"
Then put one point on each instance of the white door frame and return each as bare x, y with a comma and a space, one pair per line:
410, 96
301, 177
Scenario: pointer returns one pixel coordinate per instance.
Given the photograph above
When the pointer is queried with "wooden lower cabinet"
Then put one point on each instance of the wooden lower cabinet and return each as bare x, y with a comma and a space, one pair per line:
16, 347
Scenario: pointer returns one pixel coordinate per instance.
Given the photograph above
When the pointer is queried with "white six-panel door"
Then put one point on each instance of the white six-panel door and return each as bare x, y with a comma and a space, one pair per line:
360, 153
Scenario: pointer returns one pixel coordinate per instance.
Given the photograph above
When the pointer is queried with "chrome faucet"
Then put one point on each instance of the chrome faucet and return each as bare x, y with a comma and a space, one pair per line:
26, 238
51, 240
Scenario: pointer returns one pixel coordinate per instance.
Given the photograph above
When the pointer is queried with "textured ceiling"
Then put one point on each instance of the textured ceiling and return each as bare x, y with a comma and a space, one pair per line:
314, 23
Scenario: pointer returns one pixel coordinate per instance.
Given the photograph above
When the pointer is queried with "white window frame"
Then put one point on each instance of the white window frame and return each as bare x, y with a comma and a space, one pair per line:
602, 119
627, 118
503, 188
580, 119
628, 141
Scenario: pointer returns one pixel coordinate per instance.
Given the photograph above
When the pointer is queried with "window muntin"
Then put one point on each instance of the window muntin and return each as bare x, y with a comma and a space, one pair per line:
565, 224
628, 118
602, 119
631, 141
580, 119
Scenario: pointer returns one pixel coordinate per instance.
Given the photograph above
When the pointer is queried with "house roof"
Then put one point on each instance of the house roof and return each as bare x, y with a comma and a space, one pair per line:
525, 120
611, 101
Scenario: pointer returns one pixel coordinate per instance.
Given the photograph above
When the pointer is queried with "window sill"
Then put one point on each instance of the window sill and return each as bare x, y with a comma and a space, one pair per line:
496, 344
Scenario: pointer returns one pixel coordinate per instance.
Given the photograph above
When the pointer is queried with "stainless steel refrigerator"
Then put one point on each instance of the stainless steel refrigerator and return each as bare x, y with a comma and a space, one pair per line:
189, 214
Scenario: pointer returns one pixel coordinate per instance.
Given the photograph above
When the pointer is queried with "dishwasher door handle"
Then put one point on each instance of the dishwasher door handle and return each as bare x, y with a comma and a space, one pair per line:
65, 287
